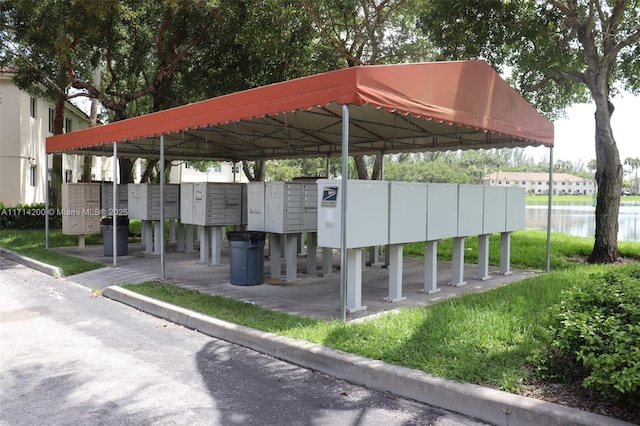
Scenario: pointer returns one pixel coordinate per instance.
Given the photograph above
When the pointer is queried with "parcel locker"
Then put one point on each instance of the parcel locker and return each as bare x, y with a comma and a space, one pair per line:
407, 212
515, 209
470, 210
442, 211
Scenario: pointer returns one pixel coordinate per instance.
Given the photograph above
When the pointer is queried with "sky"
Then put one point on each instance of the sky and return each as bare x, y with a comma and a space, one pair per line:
575, 134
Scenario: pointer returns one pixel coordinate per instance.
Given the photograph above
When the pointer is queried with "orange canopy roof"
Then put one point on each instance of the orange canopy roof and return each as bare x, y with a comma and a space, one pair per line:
435, 106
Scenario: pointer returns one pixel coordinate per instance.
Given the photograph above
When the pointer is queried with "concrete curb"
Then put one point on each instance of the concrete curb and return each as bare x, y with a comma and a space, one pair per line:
32, 263
488, 405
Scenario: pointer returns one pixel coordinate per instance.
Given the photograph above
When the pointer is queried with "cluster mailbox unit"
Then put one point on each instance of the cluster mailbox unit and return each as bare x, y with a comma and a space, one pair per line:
107, 198
394, 213
144, 203
81, 209
211, 206
289, 209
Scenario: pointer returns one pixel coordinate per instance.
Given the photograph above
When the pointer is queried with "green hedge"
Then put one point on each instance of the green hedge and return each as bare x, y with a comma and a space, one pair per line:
31, 216
597, 333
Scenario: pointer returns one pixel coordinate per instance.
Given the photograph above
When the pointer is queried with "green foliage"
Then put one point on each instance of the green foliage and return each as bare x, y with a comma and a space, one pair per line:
25, 216
597, 333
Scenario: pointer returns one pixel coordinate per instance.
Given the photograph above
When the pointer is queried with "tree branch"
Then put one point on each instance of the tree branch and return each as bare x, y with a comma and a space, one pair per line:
554, 76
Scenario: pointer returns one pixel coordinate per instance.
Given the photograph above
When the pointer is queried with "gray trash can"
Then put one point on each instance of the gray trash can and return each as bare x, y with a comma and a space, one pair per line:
246, 257
122, 234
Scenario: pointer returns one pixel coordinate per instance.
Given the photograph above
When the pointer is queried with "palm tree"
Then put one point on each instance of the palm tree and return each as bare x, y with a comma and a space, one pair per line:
634, 165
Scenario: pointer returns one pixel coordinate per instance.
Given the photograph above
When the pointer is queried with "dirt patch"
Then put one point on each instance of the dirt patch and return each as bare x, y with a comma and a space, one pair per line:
575, 396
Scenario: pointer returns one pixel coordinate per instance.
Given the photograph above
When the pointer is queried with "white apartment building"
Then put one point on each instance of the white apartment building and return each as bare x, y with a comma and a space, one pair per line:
538, 183
25, 123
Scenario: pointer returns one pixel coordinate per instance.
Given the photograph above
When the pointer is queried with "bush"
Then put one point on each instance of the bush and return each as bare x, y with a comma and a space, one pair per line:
597, 333
25, 216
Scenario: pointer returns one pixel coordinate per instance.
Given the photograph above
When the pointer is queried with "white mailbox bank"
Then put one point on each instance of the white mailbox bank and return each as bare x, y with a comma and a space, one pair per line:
286, 210
211, 206
144, 203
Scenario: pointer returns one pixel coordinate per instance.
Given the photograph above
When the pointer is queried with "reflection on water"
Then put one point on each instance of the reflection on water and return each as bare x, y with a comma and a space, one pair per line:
578, 218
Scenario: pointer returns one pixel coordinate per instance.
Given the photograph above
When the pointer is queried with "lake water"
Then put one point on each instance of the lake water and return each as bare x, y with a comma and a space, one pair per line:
578, 218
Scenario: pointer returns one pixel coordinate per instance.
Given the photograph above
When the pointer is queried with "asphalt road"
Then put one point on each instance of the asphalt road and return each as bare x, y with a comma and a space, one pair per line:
67, 358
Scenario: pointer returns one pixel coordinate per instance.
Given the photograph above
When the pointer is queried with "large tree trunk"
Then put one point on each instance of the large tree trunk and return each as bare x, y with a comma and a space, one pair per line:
609, 180
258, 171
363, 172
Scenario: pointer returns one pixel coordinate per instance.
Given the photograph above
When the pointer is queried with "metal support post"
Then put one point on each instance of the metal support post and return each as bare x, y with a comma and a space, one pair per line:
458, 262
395, 274
483, 257
505, 253
274, 256
354, 281
431, 267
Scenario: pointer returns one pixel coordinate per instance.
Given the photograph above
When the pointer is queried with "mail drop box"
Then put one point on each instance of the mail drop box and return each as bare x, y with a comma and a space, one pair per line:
442, 211
515, 209
107, 198
407, 212
494, 209
144, 201
211, 203
81, 208
367, 221
470, 210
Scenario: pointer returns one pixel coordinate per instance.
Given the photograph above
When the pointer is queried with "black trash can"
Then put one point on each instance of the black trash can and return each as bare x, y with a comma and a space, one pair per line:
246, 257
122, 235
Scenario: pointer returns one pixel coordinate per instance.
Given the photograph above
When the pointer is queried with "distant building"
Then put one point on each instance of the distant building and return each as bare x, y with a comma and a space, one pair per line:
538, 183
222, 172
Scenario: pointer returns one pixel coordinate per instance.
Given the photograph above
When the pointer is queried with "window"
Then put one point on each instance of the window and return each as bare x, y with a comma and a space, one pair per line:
32, 107
217, 168
68, 176
32, 175
235, 169
539, 183
67, 125
564, 183
524, 183
51, 120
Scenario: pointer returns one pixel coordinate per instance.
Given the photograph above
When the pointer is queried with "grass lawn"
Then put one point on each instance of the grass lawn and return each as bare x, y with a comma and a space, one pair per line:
31, 243
485, 338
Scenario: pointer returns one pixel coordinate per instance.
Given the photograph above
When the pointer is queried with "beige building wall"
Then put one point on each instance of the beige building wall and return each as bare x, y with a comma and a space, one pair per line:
25, 123
538, 183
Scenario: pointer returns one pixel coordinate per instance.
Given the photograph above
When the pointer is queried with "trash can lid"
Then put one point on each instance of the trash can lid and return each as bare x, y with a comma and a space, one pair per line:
120, 220
251, 236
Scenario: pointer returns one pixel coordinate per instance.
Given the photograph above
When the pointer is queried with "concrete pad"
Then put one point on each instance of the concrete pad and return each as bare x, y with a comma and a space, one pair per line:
310, 295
